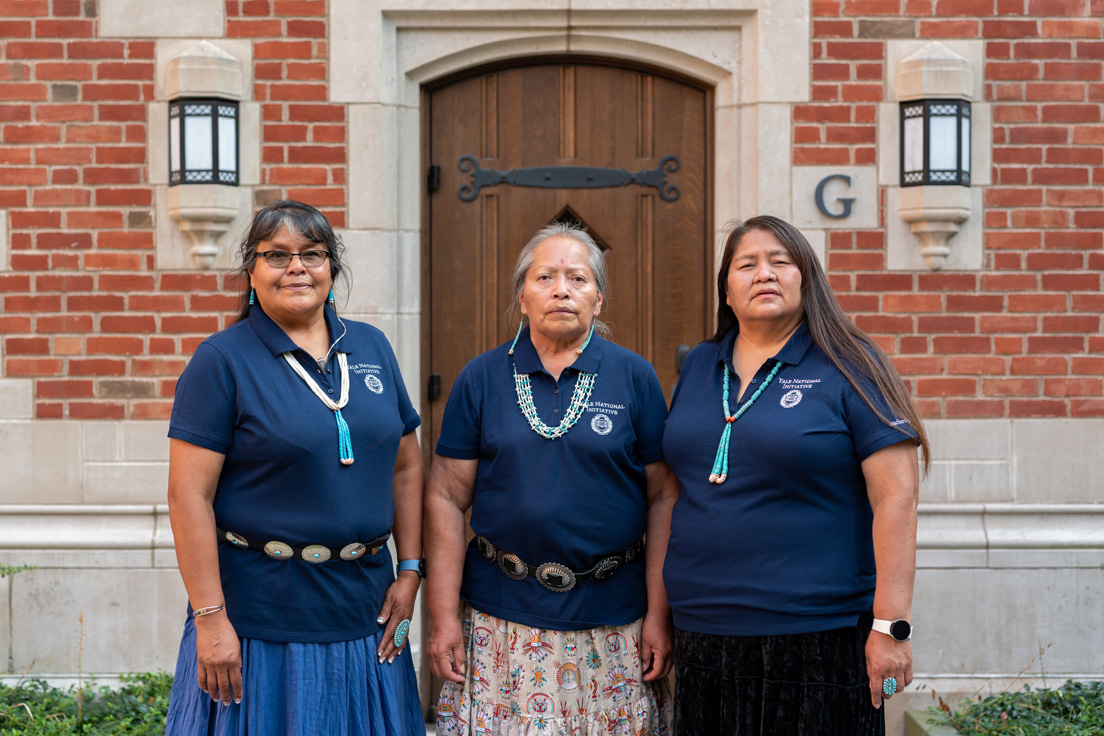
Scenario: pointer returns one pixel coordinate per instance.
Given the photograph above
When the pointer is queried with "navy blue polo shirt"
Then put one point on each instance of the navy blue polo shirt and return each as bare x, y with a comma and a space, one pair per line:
784, 545
283, 480
572, 500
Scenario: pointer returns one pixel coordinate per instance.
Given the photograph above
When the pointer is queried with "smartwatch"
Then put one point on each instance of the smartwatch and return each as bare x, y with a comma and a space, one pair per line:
417, 565
901, 630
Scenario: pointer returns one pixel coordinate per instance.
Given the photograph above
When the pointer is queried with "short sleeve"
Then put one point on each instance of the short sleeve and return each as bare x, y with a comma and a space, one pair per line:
869, 431
203, 408
461, 427
407, 413
652, 416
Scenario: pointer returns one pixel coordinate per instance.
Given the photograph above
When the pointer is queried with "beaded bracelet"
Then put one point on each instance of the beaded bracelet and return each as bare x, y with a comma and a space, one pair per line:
207, 610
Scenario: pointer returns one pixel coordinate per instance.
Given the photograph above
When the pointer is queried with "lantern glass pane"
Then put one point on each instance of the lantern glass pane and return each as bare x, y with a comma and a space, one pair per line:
174, 143
966, 145
943, 146
228, 144
198, 143
914, 144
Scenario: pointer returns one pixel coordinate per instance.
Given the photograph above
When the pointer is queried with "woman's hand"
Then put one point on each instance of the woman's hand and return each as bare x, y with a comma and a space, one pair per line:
886, 657
447, 657
398, 605
656, 646
218, 658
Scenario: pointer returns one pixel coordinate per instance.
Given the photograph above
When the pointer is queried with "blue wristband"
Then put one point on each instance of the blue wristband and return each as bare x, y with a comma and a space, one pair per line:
417, 566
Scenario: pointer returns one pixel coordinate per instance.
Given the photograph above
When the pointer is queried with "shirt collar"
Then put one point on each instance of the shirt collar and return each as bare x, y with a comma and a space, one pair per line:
526, 359
791, 353
277, 341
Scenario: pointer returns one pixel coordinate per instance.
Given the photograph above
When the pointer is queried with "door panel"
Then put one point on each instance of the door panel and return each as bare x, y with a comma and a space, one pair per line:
559, 114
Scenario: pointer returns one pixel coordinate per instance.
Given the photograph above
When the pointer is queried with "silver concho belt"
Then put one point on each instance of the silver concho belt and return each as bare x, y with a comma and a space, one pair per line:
552, 575
314, 553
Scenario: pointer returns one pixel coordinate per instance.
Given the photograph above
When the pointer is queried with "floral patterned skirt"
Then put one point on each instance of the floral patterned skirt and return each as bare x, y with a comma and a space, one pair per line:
525, 681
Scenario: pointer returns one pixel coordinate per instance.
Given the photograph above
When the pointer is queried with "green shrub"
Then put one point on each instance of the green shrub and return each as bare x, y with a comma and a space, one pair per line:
138, 708
1075, 709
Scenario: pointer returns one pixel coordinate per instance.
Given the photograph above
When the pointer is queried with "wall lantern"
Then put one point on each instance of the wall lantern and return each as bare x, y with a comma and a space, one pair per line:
203, 142
935, 143
204, 85
935, 86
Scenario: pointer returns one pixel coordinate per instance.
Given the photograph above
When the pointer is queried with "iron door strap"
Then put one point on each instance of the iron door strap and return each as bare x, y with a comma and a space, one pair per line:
569, 177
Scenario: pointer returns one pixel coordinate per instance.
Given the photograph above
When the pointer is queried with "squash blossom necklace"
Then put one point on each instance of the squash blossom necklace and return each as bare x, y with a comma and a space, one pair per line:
579, 397
344, 440
720, 464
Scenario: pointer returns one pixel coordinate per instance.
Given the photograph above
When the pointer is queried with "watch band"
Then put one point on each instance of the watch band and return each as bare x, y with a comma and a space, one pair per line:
899, 630
417, 566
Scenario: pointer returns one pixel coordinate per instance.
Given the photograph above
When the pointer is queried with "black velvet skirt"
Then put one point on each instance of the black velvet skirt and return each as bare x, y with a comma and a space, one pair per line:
796, 685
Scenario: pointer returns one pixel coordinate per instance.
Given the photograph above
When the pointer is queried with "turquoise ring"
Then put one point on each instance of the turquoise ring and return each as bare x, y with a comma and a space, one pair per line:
404, 628
889, 686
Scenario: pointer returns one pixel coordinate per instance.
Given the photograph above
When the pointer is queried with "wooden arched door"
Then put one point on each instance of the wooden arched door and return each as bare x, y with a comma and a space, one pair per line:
550, 116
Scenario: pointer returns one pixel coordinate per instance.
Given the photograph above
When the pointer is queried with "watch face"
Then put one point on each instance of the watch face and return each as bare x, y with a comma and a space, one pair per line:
900, 630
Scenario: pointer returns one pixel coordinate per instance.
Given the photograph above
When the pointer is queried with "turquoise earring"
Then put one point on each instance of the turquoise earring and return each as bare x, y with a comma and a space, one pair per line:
331, 300
252, 297
521, 326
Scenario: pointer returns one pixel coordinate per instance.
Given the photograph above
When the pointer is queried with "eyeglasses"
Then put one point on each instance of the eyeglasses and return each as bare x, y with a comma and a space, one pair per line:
309, 258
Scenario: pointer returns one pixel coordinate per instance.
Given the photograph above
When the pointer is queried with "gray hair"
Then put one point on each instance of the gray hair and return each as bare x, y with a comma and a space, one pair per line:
596, 261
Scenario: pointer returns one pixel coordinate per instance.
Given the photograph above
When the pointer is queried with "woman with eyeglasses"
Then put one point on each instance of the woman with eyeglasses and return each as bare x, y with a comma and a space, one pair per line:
292, 460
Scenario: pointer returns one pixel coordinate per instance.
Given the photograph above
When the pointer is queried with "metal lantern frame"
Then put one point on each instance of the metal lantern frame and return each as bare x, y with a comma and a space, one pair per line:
919, 117
204, 141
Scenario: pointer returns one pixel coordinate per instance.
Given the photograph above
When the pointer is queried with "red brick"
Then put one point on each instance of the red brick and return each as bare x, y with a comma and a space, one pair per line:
1071, 281
124, 70
29, 262
884, 323
97, 367
976, 365
1036, 408
97, 345
32, 303
213, 303
1086, 407
974, 408
1090, 50
127, 323
165, 345
1039, 365
63, 241
33, 50
256, 7
1073, 239
1071, 29
93, 134
833, 29
964, 7
65, 261
285, 133
25, 367
64, 323
95, 303
975, 303
949, 29
300, 7
56, 197
971, 344
290, 175
94, 50
270, 27
912, 303
316, 154
1008, 197
15, 155
22, 176
13, 282
178, 323
13, 113
45, 389
913, 365
1056, 7
1080, 323
336, 113
1049, 261
1008, 113
306, 71
15, 29
1072, 386
46, 28
61, 70
825, 93
112, 175
96, 410
1042, 50
94, 92
318, 197
1010, 386
813, 156
1011, 70
124, 197
957, 324
852, 303
946, 386
946, 282
306, 28
272, 154
883, 282
1005, 28
1071, 114
157, 366
64, 282
297, 92
157, 303
1017, 155
189, 282
283, 50
62, 177
151, 410
35, 218
268, 70
1065, 344
801, 134
113, 261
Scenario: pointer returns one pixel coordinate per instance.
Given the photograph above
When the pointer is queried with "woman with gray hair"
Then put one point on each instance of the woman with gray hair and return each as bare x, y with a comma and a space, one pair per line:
553, 441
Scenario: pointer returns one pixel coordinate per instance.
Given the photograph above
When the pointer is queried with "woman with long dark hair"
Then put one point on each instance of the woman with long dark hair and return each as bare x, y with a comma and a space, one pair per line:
791, 558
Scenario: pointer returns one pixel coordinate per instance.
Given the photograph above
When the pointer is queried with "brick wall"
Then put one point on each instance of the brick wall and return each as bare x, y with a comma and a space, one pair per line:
1020, 338
85, 314
104, 334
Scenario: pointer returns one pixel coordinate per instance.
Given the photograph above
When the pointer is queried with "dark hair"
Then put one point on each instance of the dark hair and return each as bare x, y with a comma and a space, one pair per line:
596, 260
850, 349
303, 221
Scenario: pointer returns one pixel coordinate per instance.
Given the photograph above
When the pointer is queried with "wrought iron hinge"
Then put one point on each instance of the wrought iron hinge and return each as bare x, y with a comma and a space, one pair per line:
433, 179
569, 177
433, 387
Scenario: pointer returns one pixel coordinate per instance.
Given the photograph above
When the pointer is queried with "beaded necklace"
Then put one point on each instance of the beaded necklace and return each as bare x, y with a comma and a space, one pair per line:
720, 464
344, 440
579, 397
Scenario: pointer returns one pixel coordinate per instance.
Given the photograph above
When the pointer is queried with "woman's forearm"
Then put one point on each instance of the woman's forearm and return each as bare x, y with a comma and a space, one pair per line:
193, 478
409, 485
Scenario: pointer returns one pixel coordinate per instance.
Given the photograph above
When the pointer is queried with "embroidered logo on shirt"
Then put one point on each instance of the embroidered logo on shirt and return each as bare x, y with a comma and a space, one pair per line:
601, 424
374, 384
790, 399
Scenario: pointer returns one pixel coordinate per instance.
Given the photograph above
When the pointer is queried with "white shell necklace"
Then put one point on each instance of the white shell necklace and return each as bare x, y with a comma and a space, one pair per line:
344, 440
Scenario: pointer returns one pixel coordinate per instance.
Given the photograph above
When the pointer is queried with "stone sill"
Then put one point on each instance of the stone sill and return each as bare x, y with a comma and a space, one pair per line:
926, 723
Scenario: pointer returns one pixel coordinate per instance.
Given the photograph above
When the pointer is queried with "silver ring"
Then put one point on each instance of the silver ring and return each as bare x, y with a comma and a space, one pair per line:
889, 686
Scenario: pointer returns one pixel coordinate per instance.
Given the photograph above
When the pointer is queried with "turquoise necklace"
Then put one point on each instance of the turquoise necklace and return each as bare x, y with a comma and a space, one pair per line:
344, 440
579, 397
720, 464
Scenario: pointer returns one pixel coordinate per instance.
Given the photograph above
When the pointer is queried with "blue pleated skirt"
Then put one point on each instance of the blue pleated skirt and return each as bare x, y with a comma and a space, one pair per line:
337, 689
